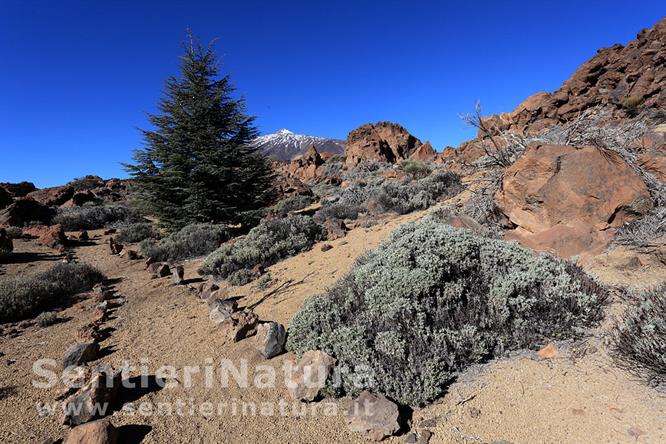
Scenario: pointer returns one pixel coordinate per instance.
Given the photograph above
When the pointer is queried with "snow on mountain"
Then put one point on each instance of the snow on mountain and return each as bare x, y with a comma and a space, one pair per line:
286, 145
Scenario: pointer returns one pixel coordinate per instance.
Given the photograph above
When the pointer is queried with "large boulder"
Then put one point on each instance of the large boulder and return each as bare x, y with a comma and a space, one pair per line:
270, 339
306, 166
50, 236
570, 200
79, 198
24, 211
53, 196
381, 142
80, 353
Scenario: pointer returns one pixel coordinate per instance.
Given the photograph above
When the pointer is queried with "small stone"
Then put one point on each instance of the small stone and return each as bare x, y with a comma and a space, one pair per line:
80, 353
149, 262
425, 436
100, 391
326, 247
100, 431
207, 288
373, 415
84, 236
309, 376
221, 310
132, 255
270, 339
178, 274
548, 351
110, 231
240, 325
411, 438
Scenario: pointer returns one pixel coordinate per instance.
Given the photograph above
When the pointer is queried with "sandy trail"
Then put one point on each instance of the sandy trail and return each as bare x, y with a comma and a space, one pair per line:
576, 397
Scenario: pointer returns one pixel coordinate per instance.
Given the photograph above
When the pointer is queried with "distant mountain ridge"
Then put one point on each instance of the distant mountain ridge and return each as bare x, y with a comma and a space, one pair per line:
285, 145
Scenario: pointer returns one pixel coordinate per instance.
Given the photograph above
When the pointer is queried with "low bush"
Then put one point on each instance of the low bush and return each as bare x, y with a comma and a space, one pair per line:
420, 194
292, 203
434, 299
415, 169
136, 232
25, 296
645, 231
639, 339
347, 204
89, 217
14, 232
266, 244
191, 241
47, 318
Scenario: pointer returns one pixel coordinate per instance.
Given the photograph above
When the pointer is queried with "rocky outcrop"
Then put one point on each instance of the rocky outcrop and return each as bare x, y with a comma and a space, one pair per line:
24, 211
54, 196
381, 142
622, 78
424, 153
20, 189
305, 167
570, 200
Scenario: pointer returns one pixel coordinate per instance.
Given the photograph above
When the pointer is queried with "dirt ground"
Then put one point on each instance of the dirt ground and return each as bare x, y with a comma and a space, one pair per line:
578, 396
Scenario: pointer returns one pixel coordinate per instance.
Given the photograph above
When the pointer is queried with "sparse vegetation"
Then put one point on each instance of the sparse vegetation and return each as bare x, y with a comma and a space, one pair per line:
631, 103
432, 300
401, 197
640, 336
136, 232
415, 169
14, 232
24, 296
266, 244
420, 194
292, 203
644, 232
89, 217
191, 241
47, 318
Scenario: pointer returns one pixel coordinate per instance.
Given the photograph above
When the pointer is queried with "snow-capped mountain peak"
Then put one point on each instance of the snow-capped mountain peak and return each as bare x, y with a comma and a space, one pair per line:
286, 145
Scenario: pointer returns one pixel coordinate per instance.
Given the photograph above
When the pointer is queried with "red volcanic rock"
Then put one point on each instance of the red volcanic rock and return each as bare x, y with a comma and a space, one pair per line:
24, 211
381, 142
53, 196
53, 236
424, 153
570, 200
20, 189
619, 77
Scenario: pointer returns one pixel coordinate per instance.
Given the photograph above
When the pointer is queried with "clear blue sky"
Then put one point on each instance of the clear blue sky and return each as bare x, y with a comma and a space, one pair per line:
78, 77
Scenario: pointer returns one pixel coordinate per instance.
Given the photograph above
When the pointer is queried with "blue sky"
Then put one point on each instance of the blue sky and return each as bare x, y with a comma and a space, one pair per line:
78, 77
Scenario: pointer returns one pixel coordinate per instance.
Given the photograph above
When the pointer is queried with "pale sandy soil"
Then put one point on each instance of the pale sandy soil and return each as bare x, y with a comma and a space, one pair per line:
577, 397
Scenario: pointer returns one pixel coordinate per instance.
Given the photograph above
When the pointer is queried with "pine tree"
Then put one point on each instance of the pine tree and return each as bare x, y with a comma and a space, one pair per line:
197, 165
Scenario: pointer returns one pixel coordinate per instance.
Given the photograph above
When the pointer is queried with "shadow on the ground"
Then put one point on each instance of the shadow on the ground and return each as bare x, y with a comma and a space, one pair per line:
24, 258
133, 433
137, 387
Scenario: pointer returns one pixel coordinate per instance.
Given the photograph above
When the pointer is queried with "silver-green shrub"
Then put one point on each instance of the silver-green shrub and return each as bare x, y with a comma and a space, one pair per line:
266, 244
420, 194
89, 217
291, 203
22, 296
639, 339
190, 241
432, 300
136, 232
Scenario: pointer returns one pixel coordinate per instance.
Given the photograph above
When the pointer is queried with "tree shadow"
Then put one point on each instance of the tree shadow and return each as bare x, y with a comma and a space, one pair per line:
133, 433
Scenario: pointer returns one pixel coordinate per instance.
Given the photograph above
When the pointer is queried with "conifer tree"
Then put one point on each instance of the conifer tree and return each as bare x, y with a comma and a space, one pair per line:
197, 165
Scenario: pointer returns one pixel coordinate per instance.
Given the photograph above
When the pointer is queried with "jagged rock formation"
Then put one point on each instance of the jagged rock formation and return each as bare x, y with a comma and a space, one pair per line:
424, 153
622, 78
381, 142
